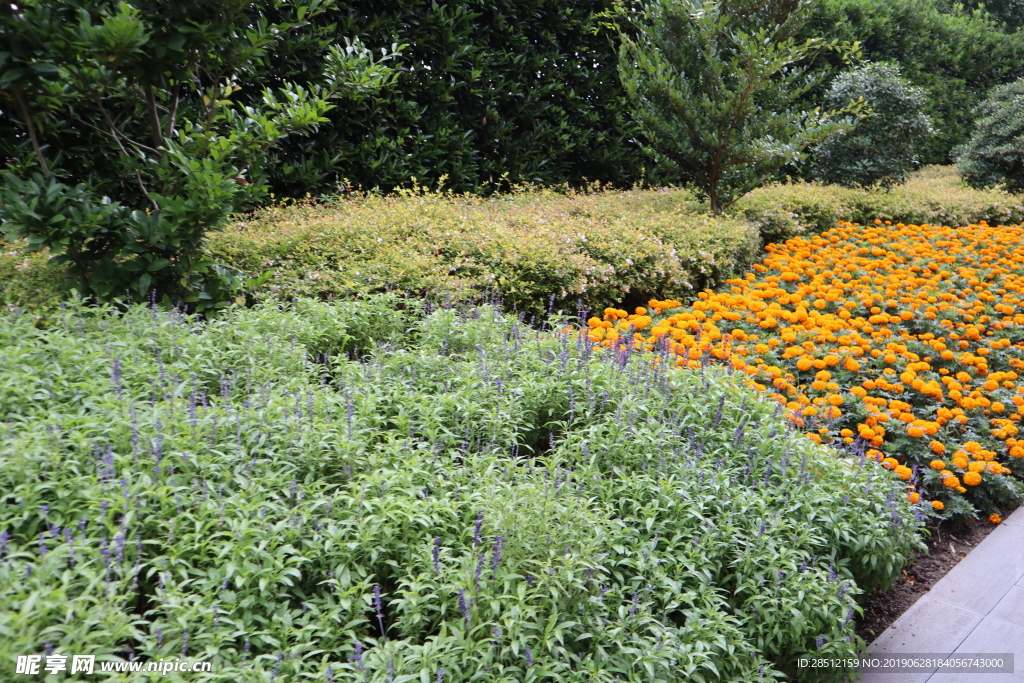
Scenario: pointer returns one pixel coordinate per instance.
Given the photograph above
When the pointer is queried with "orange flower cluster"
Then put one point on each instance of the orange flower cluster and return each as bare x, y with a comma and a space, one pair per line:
904, 339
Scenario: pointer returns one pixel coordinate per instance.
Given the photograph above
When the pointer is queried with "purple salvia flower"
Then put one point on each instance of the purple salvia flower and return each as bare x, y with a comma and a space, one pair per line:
437, 554
477, 527
391, 671
842, 589
528, 653
329, 674
378, 605
184, 643
357, 656
499, 542
440, 675
42, 544
159, 637
464, 605
479, 571
820, 641
119, 546
115, 374
277, 666
45, 509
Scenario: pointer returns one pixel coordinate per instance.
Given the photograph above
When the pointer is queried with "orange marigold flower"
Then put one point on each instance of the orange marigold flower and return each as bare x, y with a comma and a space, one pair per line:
995, 518
937, 465
937, 504
951, 481
972, 478
914, 497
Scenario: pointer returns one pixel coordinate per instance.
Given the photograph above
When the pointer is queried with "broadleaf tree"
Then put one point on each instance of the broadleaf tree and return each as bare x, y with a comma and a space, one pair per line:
134, 139
713, 87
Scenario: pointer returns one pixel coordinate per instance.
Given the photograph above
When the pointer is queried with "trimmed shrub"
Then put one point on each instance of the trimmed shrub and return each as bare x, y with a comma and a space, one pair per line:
29, 281
533, 248
882, 149
933, 196
995, 153
465, 495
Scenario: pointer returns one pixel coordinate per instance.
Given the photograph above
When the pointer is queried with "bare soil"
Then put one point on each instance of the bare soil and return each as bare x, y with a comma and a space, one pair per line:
947, 545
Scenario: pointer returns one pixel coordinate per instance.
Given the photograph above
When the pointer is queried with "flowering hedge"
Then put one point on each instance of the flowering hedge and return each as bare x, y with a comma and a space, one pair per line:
904, 342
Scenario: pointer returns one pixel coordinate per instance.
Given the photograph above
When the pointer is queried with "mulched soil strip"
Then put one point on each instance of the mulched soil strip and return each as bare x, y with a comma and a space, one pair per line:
947, 545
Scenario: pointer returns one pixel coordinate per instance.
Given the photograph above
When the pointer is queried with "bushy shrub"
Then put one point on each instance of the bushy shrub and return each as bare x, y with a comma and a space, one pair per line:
882, 149
934, 195
995, 153
127, 146
955, 56
903, 339
535, 249
461, 498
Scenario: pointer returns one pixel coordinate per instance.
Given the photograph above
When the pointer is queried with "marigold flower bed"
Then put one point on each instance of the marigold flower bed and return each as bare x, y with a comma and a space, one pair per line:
902, 343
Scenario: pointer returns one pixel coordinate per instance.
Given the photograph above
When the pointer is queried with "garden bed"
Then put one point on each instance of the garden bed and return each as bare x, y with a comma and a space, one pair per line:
324, 489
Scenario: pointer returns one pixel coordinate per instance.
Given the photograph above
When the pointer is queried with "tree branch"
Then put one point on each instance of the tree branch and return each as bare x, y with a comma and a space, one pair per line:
154, 120
174, 109
27, 117
114, 134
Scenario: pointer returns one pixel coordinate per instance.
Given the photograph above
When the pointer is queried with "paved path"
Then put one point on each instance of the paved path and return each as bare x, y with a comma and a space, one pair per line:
978, 607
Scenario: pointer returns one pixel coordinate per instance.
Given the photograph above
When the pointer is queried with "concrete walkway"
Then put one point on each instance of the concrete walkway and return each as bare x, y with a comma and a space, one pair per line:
978, 607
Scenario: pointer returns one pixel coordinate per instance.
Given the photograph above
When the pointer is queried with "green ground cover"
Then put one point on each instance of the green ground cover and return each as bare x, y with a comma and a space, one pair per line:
375, 491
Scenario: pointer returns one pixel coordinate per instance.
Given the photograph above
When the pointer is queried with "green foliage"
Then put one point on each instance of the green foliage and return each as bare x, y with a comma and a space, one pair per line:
933, 196
127, 147
712, 87
956, 56
882, 148
526, 506
534, 249
995, 153
488, 94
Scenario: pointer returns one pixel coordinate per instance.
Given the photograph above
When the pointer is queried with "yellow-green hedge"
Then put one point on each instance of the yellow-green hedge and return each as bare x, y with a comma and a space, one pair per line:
599, 248
602, 248
933, 195
29, 281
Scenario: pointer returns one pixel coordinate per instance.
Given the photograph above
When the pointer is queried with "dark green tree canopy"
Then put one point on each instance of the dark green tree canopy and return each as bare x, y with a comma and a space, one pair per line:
129, 137
713, 87
883, 146
995, 153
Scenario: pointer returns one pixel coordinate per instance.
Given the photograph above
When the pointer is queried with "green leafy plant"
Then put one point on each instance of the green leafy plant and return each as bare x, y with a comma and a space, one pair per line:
955, 52
372, 490
882, 149
128, 115
995, 153
712, 87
